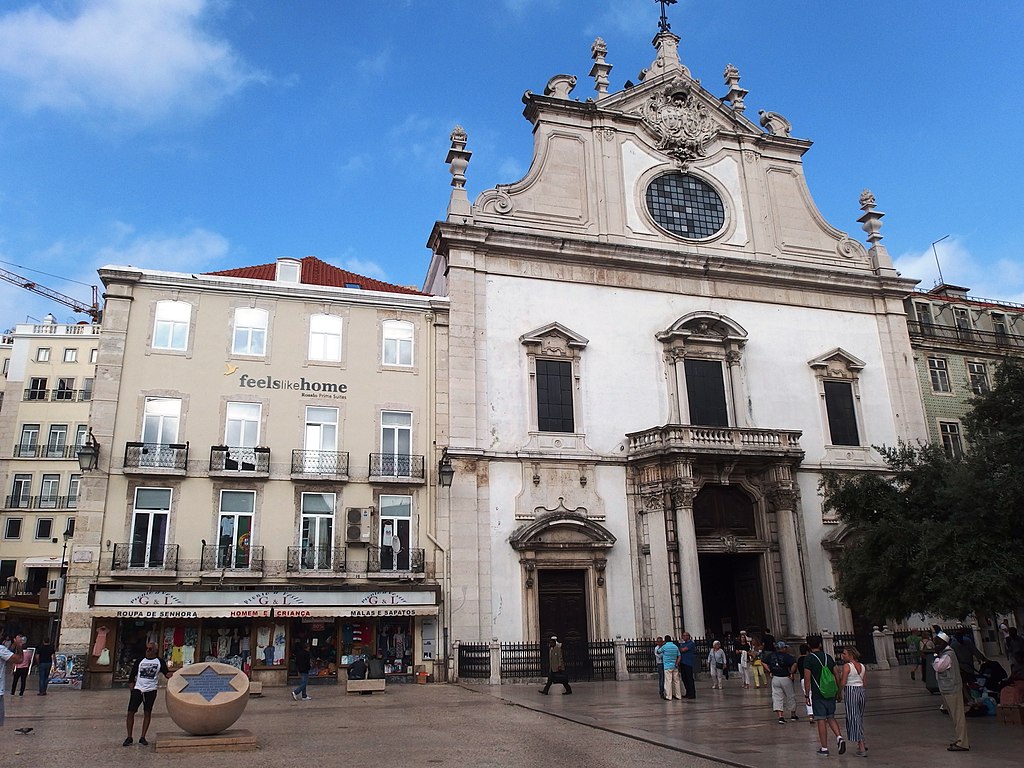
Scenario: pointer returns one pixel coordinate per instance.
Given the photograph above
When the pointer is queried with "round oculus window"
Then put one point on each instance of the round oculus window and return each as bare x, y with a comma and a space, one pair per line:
685, 206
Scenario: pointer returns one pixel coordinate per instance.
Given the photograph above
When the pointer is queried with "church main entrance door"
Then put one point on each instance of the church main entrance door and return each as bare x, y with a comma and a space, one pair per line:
731, 589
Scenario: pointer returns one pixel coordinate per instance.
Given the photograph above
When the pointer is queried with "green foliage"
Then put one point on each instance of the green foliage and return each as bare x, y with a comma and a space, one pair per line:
939, 535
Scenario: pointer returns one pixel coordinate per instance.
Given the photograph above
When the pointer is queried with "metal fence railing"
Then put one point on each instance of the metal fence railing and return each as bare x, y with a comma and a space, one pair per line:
474, 660
522, 660
640, 658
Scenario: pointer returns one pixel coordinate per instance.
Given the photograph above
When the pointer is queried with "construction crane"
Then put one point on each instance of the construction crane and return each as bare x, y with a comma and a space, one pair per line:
92, 310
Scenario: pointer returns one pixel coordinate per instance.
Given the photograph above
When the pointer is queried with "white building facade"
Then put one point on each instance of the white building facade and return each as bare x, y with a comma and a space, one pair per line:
657, 346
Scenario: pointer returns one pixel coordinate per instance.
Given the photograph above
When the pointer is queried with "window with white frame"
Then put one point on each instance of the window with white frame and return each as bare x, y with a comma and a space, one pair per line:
950, 432
65, 390
978, 374
43, 355
21, 491
962, 320
150, 518
242, 429
85, 393
94, 355
235, 529
924, 317
838, 376
999, 325
395, 443
159, 431
320, 444
57, 441
44, 528
939, 373
74, 490
397, 346
171, 325
395, 532
81, 435
316, 537
71, 355
250, 335
325, 338
28, 445
49, 491
36, 388
12, 528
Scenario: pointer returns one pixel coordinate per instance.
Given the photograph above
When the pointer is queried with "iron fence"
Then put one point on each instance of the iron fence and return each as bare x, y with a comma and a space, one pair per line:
331, 463
139, 554
230, 459
475, 660
640, 658
396, 465
522, 660
155, 455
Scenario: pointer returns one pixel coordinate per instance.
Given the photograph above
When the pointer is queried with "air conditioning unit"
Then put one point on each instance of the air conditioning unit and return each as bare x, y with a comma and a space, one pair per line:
358, 525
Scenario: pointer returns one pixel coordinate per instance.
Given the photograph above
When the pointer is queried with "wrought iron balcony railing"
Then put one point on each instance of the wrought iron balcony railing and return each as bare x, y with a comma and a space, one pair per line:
217, 557
386, 560
18, 501
396, 465
138, 554
227, 459
59, 395
316, 559
952, 333
156, 455
45, 451
330, 463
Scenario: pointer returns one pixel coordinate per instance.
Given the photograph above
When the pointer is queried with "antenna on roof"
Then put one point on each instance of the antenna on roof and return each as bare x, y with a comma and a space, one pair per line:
663, 24
935, 253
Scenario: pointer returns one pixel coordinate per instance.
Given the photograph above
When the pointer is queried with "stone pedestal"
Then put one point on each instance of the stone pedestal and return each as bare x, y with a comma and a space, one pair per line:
207, 698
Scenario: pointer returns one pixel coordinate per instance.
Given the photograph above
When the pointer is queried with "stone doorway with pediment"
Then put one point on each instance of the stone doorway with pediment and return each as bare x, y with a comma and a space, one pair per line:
562, 552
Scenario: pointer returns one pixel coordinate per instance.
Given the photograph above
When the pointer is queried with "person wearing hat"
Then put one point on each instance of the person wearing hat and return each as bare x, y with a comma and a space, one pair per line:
782, 666
950, 682
556, 668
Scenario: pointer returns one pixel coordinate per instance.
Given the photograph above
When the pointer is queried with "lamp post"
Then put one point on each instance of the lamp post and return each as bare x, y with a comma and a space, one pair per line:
445, 470
69, 531
89, 453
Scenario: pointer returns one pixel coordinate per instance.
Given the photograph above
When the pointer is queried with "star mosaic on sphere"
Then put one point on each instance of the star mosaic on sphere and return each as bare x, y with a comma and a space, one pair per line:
208, 683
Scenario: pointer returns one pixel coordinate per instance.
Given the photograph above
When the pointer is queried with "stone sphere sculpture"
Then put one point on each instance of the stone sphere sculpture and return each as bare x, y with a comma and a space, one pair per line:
206, 698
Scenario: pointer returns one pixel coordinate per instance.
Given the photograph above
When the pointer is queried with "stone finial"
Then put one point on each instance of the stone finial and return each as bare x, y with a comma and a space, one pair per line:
667, 46
736, 94
871, 221
775, 124
601, 68
458, 161
560, 86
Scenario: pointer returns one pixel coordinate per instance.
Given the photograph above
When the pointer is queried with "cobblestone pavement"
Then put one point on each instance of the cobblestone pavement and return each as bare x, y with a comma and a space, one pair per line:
601, 724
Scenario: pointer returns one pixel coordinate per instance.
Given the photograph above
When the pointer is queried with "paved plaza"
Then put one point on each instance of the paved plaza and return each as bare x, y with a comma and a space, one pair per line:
601, 724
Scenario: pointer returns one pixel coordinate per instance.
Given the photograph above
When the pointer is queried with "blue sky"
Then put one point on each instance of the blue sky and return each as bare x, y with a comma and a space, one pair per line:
196, 135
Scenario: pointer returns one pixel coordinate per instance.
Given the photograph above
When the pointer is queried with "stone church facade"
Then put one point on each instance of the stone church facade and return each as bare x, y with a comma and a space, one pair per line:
657, 345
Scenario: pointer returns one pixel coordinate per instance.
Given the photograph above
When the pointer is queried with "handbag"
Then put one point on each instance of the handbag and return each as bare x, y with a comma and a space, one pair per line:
719, 665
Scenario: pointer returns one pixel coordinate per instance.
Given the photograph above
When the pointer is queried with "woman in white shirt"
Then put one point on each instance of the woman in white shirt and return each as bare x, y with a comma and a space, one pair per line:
716, 664
851, 683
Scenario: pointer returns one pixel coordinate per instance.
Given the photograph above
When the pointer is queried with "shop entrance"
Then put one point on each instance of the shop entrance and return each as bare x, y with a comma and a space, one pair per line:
731, 590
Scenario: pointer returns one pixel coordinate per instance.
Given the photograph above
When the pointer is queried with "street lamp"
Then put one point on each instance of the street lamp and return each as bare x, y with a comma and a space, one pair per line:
445, 470
89, 453
69, 532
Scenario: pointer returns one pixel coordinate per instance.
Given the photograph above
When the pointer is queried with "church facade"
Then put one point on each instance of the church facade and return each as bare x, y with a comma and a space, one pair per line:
656, 347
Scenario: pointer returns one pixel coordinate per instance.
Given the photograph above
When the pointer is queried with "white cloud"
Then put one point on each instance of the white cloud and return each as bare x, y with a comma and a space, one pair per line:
196, 251
511, 170
364, 267
124, 60
376, 66
999, 279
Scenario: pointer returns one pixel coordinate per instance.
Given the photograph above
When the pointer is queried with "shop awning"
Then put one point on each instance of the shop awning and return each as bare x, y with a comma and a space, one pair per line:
154, 613
41, 562
24, 609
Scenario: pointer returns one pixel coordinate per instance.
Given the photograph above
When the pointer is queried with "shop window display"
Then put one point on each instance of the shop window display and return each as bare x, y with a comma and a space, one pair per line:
321, 635
394, 641
271, 645
227, 643
131, 645
180, 645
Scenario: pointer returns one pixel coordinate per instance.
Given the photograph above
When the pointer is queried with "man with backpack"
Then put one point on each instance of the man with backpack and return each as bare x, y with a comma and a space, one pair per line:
821, 691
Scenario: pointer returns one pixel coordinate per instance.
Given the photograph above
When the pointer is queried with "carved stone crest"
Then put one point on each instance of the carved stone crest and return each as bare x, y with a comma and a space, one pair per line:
681, 122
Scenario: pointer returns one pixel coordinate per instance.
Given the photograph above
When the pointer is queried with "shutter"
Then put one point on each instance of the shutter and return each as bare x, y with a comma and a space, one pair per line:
705, 393
842, 418
554, 396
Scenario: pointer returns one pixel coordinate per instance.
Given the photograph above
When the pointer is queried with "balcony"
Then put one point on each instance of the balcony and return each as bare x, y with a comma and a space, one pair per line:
386, 560
316, 559
398, 468
955, 335
59, 395
136, 555
326, 465
156, 458
17, 501
231, 557
36, 451
686, 439
250, 462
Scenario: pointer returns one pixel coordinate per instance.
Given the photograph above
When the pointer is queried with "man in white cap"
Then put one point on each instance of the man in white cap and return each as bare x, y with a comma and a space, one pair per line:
556, 668
947, 675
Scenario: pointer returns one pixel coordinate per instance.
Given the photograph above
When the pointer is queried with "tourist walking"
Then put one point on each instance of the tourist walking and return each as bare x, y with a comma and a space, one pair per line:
757, 665
659, 662
44, 663
820, 691
302, 666
950, 682
741, 651
670, 669
21, 669
143, 680
852, 681
782, 667
556, 668
687, 662
8, 658
716, 664
801, 661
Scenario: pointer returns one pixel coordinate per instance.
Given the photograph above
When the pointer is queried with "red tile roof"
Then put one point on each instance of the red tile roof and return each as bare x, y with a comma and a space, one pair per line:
317, 272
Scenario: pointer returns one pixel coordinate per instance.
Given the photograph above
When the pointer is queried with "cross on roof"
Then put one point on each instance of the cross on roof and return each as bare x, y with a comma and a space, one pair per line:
663, 24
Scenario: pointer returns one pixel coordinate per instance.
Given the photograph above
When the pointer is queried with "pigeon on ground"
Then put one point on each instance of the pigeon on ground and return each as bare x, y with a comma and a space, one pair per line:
24, 731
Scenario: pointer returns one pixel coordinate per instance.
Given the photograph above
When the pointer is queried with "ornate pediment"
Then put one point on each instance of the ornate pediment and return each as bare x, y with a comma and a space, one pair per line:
561, 530
555, 340
837, 364
679, 119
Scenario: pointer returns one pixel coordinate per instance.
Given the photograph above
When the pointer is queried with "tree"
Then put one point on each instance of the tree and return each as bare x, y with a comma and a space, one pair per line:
935, 534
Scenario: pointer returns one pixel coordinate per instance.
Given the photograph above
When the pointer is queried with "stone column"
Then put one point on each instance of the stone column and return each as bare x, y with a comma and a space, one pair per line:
737, 394
689, 567
782, 499
828, 643
455, 660
881, 657
495, 648
621, 670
